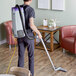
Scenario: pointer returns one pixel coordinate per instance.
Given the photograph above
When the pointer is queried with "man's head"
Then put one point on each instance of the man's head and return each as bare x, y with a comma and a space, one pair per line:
27, 1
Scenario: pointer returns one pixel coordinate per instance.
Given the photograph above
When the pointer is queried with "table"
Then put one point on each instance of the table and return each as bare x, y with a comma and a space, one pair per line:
50, 31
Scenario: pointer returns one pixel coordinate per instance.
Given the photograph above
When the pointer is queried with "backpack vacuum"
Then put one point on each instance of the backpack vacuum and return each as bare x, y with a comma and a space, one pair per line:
19, 22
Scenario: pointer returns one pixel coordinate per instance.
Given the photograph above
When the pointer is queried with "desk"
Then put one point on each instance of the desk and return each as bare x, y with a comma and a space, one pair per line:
50, 31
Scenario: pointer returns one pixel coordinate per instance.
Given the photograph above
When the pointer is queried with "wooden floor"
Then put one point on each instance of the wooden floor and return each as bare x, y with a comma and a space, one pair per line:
42, 64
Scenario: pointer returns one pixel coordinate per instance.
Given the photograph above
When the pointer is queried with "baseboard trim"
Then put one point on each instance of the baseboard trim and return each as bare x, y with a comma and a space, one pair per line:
2, 42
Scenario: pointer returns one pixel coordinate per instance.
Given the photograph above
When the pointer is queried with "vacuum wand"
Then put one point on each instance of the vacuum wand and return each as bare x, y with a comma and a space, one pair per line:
55, 69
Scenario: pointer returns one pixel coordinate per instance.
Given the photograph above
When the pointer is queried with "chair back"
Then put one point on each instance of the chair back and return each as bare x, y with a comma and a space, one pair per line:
68, 31
9, 34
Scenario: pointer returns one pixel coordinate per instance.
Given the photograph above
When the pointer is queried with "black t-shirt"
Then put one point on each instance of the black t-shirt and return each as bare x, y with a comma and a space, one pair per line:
29, 13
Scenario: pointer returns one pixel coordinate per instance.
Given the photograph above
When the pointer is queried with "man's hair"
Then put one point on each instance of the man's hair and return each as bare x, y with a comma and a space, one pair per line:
25, 0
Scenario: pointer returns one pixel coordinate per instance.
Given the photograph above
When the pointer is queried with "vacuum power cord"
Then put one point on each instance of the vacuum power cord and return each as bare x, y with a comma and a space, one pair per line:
11, 59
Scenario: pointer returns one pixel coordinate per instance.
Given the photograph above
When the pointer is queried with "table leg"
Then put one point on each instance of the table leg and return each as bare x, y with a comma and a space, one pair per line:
43, 35
51, 41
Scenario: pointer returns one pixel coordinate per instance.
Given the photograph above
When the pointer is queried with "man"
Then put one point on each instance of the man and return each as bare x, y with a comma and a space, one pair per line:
23, 42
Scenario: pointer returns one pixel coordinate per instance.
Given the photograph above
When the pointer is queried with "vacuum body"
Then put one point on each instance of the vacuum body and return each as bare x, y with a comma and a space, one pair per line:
16, 22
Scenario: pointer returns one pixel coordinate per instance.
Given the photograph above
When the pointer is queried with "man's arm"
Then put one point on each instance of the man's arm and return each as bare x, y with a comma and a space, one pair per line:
34, 28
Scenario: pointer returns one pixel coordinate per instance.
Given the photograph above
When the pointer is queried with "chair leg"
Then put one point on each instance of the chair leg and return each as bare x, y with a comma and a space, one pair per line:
9, 47
64, 50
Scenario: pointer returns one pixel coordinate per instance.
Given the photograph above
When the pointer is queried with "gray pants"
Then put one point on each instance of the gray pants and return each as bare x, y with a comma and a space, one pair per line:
22, 43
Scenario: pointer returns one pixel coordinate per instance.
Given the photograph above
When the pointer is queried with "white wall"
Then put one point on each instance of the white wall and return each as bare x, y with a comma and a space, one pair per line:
5, 9
5, 15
